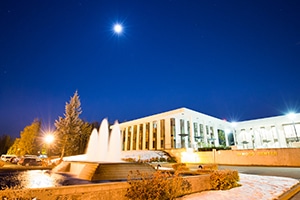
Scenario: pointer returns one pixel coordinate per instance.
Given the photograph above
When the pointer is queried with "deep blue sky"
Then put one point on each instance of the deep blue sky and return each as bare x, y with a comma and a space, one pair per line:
235, 60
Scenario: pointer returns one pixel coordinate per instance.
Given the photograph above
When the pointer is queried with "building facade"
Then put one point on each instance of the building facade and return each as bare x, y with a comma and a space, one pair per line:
185, 128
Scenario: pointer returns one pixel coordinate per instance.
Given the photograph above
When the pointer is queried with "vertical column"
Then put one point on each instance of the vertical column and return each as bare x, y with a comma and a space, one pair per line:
216, 135
248, 138
126, 139
251, 136
204, 133
131, 137
122, 139
234, 136
144, 136
258, 138
168, 137
270, 138
177, 132
137, 137
192, 134
281, 135
158, 131
151, 136
186, 131
278, 136
239, 137
226, 137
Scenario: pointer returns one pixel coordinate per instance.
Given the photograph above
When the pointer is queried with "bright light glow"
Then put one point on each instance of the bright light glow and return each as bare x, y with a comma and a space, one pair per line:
291, 115
118, 28
37, 179
189, 156
233, 124
49, 138
40, 179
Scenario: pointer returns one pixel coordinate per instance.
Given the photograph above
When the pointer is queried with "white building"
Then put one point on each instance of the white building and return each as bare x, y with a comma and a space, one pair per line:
185, 128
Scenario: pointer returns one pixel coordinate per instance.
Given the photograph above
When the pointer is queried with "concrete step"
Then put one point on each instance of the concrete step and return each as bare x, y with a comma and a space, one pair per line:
88, 171
120, 171
62, 167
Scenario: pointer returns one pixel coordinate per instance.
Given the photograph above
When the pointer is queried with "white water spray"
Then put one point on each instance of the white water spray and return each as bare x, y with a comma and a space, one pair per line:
105, 147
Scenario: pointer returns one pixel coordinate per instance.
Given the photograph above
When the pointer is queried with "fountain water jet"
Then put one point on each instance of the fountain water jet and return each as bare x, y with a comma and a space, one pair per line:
114, 147
103, 147
92, 146
102, 160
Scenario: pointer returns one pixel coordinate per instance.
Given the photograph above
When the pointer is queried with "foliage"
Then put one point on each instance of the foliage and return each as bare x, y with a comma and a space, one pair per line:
211, 148
224, 179
5, 143
152, 159
14, 149
69, 129
158, 186
221, 136
28, 142
85, 130
180, 167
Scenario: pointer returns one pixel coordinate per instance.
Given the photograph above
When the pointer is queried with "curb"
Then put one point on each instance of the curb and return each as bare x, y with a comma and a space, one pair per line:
289, 194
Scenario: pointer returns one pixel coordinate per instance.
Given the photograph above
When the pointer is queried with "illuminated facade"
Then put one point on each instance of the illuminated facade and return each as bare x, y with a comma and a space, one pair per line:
271, 132
185, 128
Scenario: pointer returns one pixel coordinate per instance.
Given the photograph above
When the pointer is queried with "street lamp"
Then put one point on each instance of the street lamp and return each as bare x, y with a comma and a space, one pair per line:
292, 116
49, 139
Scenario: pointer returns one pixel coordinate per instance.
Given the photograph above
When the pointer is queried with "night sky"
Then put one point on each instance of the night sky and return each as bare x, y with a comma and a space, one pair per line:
235, 60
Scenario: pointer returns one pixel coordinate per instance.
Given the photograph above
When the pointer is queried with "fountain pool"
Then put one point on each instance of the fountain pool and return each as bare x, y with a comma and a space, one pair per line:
102, 160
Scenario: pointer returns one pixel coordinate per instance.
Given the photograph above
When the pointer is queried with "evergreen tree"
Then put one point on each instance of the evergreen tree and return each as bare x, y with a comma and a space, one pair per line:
27, 143
5, 143
68, 129
86, 130
14, 149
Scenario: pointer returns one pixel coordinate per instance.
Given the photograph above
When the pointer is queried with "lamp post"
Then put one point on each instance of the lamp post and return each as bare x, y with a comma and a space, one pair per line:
292, 117
49, 139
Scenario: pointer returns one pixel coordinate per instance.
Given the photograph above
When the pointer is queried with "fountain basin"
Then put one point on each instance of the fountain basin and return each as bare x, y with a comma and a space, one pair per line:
102, 171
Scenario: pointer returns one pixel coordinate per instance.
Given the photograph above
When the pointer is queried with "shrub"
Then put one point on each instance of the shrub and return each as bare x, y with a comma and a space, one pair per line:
171, 159
224, 179
157, 186
216, 148
180, 167
129, 159
162, 159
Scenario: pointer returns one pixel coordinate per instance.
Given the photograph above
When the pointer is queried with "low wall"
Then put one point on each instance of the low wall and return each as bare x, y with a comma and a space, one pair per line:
263, 157
269, 157
103, 191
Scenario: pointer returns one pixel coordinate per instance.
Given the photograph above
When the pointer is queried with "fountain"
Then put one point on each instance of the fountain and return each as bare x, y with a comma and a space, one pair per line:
102, 148
102, 161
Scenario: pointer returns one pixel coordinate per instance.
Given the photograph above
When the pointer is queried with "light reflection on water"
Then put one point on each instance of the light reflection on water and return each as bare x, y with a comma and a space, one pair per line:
41, 179
31, 179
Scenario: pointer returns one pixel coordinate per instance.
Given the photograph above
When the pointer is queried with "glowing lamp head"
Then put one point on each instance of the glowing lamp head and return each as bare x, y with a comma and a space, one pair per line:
118, 28
49, 139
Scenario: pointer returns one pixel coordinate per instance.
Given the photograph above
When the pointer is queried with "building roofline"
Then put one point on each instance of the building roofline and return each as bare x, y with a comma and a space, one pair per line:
183, 110
167, 113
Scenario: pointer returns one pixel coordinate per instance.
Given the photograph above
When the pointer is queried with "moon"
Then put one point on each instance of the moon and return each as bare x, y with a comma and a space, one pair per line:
118, 28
